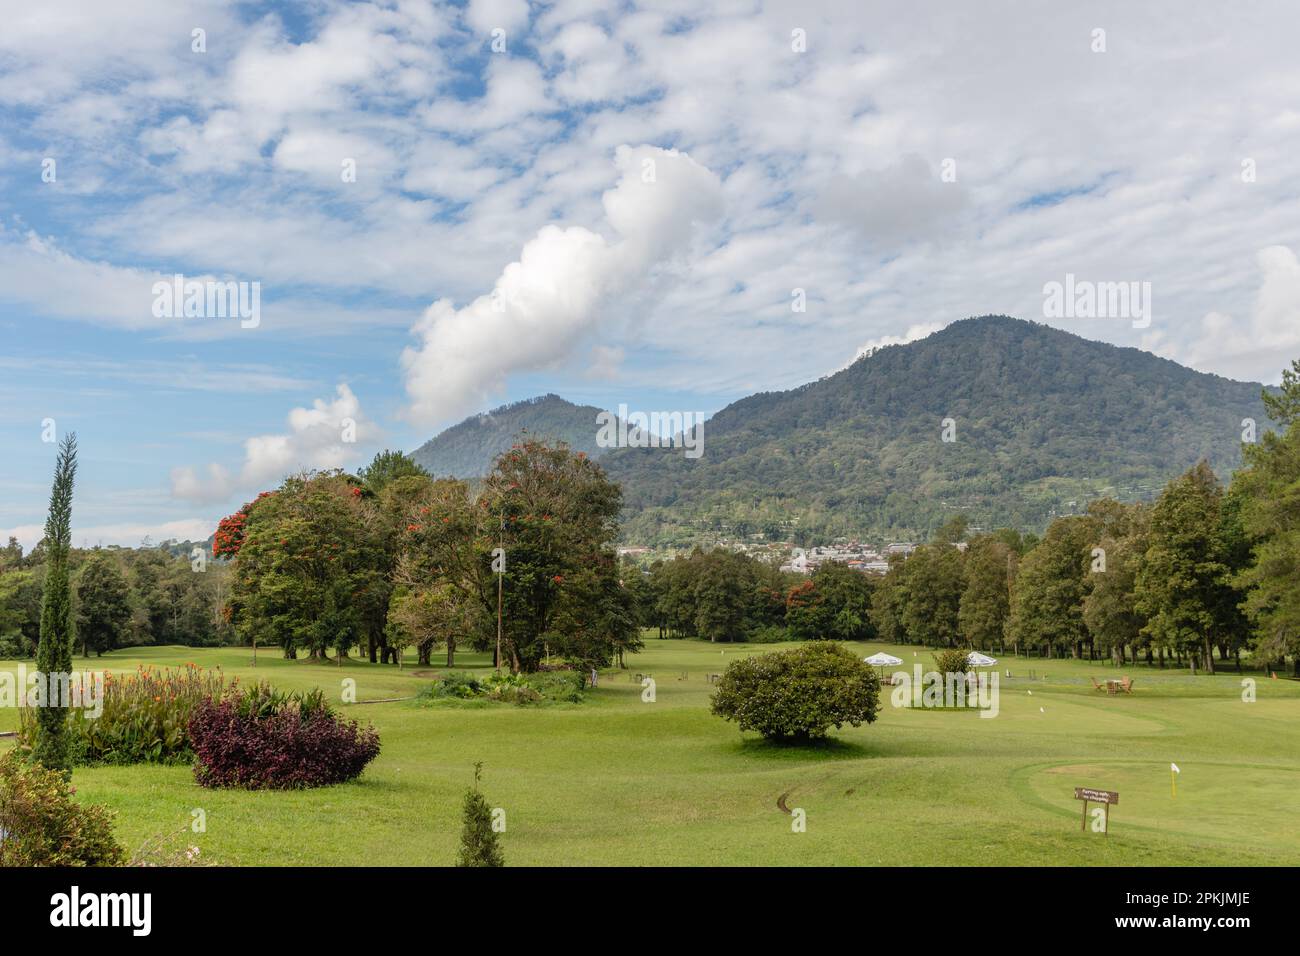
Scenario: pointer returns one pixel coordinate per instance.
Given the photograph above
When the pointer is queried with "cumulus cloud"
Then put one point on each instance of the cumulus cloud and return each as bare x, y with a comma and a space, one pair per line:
1256, 347
913, 333
330, 434
544, 304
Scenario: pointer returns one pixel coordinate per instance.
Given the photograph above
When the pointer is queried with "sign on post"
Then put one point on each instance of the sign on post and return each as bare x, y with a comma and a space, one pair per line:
1104, 797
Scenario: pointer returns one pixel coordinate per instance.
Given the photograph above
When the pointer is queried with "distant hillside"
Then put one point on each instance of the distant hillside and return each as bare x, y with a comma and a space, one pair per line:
468, 450
1045, 421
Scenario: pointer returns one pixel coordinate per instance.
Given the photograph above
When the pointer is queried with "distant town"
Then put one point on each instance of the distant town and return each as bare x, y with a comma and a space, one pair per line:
870, 558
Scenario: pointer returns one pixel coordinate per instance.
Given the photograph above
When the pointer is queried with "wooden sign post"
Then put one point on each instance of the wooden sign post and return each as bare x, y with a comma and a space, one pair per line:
1104, 797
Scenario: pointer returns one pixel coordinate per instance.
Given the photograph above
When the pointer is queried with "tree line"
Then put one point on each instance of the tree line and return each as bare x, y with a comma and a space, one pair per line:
1204, 572
1203, 569
120, 597
522, 565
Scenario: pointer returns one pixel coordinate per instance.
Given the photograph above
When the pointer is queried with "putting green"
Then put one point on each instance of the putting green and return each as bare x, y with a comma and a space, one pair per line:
1215, 801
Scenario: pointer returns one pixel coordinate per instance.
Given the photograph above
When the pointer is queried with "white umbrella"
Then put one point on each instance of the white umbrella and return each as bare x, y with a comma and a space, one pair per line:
882, 660
976, 659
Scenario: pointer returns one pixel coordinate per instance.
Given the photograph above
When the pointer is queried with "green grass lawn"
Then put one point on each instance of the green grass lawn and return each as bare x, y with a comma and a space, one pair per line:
618, 781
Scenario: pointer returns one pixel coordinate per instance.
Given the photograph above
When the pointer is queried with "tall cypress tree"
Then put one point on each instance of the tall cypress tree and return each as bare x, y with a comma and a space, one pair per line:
54, 652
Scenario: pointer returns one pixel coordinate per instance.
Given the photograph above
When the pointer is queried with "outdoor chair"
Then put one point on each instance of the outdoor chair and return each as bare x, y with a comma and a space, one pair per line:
1126, 685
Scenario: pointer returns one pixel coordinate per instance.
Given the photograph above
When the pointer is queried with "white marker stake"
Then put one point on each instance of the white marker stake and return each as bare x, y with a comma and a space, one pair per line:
1173, 780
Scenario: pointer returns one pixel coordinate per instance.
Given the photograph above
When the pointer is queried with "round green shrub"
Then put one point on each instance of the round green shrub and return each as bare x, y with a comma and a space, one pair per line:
954, 660
798, 695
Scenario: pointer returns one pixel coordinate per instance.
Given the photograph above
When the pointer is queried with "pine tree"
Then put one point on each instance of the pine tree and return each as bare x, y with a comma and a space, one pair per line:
1283, 406
54, 652
478, 841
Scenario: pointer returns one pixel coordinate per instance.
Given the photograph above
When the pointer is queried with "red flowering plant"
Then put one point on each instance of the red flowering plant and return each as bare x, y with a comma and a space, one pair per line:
313, 567
229, 537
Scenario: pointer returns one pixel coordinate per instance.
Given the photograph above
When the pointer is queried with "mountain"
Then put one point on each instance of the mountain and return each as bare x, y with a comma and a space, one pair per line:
468, 450
1044, 421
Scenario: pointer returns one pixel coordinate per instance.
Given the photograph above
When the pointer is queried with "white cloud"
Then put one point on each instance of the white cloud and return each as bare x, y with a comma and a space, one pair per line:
465, 157
606, 362
484, 16
1260, 345
123, 534
330, 434
558, 291
913, 334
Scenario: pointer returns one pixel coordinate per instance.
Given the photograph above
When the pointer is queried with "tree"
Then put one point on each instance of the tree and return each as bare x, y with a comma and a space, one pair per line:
387, 466
103, 604
229, 536
54, 653
479, 843
808, 614
1051, 583
20, 610
1267, 496
11, 555
719, 599
889, 602
1184, 581
1110, 608
596, 614
444, 588
799, 694
555, 515
935, 581
952, 531
1284, 406
313, 570
843, 605
986, 600
428, 614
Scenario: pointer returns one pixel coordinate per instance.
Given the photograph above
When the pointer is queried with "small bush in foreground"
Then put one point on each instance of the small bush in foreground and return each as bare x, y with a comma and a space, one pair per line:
41, 825
479, 843
262, 740
798, 695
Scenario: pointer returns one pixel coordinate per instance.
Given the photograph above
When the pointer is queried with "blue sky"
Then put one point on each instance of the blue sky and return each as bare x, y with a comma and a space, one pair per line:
613, 201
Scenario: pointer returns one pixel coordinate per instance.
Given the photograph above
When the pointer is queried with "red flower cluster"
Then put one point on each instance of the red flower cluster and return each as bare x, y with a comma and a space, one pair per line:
229, 537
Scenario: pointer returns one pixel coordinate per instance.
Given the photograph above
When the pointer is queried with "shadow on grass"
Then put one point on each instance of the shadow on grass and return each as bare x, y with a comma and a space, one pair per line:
796, 751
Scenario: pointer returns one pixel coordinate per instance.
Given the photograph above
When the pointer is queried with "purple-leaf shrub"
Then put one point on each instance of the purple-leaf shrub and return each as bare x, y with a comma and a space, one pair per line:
278, 751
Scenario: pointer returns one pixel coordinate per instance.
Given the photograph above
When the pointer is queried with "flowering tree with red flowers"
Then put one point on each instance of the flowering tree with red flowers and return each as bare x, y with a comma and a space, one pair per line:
313, 567
229, 537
